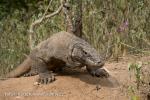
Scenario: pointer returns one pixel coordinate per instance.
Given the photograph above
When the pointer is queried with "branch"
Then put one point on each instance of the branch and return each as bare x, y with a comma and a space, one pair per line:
36, 22
78, 19
68, 17
31, 30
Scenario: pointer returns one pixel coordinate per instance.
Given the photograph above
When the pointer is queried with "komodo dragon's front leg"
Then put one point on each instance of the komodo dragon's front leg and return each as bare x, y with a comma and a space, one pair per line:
41, 68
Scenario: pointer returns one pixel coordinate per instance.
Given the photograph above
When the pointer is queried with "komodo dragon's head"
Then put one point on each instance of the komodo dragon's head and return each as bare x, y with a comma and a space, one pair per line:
86, 55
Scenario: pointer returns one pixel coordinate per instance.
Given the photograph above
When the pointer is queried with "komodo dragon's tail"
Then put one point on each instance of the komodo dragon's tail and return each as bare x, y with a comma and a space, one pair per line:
21, 69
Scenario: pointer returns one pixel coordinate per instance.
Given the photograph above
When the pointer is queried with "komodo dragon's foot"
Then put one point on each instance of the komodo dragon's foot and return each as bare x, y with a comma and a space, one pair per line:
100, 73
46, 77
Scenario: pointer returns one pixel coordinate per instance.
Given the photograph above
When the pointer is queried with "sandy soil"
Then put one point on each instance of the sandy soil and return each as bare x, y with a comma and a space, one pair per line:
73, 85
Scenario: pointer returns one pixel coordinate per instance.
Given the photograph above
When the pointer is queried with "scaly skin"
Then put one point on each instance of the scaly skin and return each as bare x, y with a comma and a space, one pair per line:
62, 49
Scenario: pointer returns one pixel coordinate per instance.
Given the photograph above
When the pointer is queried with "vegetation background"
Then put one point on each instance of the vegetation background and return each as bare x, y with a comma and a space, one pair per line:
120, 26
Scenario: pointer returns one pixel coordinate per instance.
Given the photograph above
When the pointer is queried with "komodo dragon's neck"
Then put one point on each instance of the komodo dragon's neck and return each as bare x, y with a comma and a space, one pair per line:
70, 60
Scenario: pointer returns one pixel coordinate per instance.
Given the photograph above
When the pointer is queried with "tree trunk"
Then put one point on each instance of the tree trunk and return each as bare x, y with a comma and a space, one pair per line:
78, 18
68, 17
76, 26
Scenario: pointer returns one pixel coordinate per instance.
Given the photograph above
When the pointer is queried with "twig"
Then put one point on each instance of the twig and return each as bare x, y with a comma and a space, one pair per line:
54, 13
135, 48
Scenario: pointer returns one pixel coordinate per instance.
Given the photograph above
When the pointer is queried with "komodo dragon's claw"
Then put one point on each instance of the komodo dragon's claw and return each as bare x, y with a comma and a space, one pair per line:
46, 77
30, 74
101, 73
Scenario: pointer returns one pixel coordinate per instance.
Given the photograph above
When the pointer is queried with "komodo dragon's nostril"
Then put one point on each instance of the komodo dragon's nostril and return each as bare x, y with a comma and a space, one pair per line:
99, 62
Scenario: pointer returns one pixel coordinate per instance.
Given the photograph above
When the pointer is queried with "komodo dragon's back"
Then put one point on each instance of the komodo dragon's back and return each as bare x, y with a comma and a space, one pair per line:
54, 40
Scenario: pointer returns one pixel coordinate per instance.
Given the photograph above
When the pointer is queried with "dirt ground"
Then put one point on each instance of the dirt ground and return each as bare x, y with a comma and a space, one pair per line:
74, 85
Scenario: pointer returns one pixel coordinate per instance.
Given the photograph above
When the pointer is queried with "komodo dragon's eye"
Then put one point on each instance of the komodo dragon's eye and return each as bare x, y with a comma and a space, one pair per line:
85, 52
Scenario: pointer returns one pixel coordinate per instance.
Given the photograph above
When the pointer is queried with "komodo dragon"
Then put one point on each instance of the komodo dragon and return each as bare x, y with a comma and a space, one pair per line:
62, 49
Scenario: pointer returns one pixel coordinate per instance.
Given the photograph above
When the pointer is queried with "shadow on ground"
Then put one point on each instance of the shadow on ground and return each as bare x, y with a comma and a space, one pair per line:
84, 76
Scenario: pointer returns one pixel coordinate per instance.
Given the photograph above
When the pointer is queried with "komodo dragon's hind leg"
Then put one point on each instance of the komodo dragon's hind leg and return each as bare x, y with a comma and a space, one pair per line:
34, 69
32, 72
39, 67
